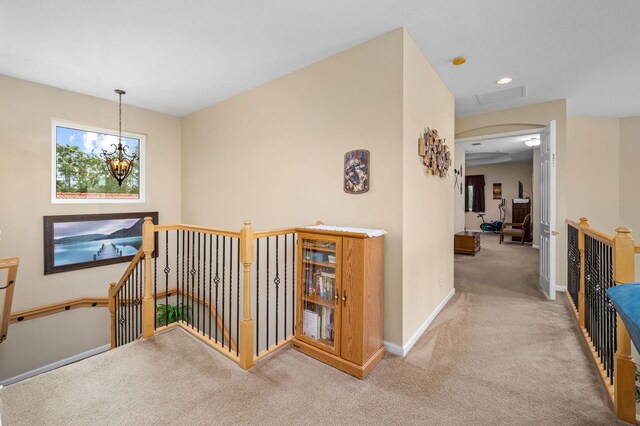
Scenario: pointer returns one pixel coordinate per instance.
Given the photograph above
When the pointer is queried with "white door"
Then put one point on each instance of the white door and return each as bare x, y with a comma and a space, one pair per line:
548, 210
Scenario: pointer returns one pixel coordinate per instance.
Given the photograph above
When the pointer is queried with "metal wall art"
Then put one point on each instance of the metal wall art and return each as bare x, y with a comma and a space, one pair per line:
435, 153
356, 171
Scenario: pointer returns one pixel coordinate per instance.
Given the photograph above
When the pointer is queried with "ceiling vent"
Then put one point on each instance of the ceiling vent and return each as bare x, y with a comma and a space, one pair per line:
502, 95
476, 143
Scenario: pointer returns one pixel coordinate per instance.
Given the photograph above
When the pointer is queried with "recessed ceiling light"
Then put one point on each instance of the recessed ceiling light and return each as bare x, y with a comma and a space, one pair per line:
504, 80
532, 142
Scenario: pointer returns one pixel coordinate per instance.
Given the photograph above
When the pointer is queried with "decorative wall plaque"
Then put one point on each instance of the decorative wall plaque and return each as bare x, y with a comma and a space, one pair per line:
356, 171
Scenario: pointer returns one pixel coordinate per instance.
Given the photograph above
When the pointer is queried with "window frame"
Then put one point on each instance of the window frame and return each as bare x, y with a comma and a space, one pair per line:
55, 123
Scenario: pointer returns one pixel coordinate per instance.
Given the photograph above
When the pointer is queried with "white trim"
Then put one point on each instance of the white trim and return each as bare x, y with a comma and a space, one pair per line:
54, 365
531, 131
404, 350
535, 246
81, 126
561, 287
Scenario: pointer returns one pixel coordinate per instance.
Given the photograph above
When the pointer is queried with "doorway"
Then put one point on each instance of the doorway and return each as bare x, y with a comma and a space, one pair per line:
499, 181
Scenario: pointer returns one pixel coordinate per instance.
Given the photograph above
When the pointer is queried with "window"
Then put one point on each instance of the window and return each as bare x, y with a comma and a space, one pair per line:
469, 197
80, 174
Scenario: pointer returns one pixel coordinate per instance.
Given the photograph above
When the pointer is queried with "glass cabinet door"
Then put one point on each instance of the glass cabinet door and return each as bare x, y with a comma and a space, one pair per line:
319, 314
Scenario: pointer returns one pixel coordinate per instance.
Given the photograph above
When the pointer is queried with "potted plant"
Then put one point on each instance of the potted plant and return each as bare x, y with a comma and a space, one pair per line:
168, 314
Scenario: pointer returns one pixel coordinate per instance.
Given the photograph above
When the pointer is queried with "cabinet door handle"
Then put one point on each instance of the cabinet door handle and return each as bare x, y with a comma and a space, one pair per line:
344, 297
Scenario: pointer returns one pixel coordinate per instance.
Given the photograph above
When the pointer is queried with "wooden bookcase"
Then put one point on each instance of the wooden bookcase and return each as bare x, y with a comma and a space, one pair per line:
340, 299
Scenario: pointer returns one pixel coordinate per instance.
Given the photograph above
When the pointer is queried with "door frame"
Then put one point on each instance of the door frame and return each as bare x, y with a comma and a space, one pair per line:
535, 128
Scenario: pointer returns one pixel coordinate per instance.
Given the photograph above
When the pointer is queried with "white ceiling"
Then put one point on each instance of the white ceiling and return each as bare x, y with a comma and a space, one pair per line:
182, 55
510, 149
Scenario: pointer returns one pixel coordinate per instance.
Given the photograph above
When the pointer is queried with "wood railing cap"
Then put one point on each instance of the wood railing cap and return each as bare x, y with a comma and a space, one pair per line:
584, 221
623, 232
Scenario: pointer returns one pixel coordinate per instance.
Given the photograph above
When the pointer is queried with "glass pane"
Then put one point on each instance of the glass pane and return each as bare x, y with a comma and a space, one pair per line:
320, 294
82, 173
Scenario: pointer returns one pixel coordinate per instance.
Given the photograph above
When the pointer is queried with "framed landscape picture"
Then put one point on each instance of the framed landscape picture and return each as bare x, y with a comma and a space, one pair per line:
83, 241
80, 174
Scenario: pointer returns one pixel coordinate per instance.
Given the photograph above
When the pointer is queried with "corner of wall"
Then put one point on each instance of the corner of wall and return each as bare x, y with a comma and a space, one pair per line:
427, 200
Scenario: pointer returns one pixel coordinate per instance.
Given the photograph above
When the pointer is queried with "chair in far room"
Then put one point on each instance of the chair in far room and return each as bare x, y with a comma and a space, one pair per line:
515, 229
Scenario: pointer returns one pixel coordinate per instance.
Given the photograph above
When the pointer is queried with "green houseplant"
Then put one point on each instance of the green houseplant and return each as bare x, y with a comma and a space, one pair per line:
168, 314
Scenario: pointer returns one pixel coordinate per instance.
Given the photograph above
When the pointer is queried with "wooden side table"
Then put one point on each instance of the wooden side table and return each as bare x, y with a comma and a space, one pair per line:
467, 242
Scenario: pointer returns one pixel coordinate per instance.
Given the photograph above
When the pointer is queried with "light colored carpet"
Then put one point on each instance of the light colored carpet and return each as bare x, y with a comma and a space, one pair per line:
498, 354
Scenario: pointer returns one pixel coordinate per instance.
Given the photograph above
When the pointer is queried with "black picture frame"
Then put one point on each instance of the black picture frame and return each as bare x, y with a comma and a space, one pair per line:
49, 223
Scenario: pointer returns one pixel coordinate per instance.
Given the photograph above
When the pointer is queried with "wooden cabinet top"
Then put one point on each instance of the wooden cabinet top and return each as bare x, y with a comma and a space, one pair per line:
343, 231
467, 233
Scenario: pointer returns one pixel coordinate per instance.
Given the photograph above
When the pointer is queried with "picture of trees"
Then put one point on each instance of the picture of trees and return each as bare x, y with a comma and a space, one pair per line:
82, 173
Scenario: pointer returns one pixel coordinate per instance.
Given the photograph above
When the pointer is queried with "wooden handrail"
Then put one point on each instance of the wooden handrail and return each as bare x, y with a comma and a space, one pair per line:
600, 236
136, 259
195, 228
54, 308
281, 231
637, 249
11, 264
573, 223
274, 232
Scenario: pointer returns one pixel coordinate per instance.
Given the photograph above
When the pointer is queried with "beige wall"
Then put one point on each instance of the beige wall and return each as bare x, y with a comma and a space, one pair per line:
593, 189
26, 110
458, 196
274, 154
630, 179
531, 117
506, 174
427, 243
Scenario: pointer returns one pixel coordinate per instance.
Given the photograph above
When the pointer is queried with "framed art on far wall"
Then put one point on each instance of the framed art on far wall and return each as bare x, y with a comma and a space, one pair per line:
84, 241
497, 191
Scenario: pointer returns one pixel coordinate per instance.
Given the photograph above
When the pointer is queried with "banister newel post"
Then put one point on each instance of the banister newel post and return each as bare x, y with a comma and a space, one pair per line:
112, 311
584, 223
624, 381
148, 241
246, 324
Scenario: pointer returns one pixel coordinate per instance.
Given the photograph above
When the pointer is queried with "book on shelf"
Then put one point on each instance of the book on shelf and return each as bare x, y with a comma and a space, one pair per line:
320, 244
311, 324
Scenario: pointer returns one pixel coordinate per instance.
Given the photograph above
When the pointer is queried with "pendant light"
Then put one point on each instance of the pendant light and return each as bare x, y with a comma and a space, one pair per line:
119, 162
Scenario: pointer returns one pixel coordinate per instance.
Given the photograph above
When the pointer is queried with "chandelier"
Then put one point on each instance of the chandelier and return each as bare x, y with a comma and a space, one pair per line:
119, 162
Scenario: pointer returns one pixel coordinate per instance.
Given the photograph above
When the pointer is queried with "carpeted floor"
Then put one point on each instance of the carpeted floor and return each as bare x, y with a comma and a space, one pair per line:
498, 354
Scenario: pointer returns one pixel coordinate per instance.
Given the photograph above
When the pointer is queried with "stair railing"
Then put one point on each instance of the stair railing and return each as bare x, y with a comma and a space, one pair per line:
596, 262
11, 266
233, 290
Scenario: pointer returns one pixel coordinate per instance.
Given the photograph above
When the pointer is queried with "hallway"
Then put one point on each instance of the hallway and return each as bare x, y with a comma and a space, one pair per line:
499, 353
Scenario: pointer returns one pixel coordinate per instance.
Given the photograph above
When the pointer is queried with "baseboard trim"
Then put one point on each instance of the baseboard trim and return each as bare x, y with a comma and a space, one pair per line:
402, 351
561, 288
535, 246
54, 365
